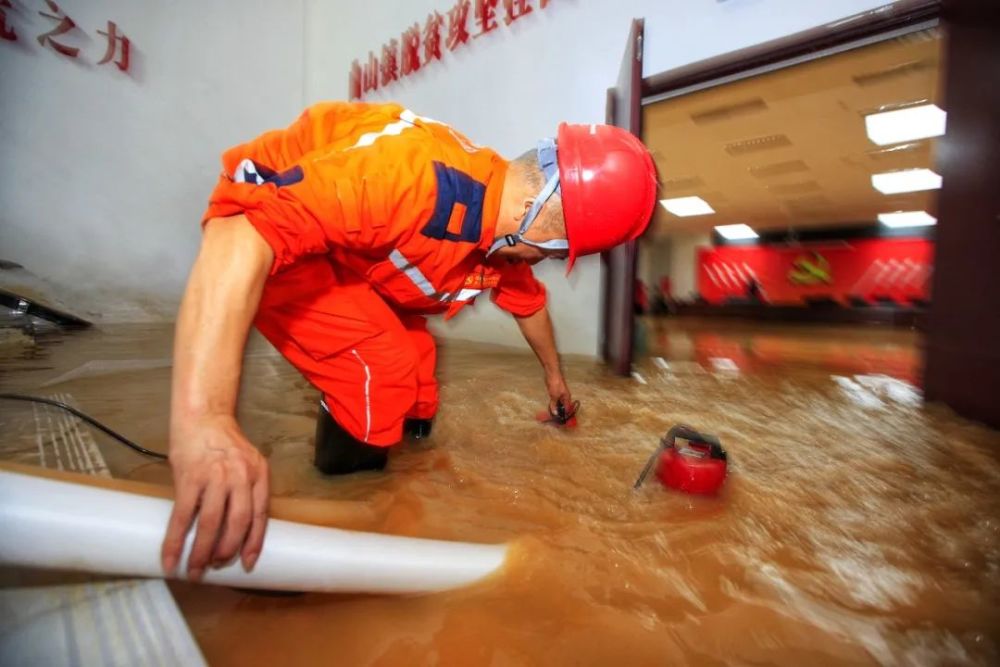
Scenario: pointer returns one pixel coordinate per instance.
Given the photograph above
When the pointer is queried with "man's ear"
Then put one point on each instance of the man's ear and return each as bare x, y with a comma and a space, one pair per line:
525, 207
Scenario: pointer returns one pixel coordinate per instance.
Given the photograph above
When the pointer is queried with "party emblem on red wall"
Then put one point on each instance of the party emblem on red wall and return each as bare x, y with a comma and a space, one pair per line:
811, 269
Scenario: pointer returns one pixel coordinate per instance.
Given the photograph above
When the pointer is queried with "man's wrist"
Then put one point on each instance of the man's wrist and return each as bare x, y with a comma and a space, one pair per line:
553, 372
181, 418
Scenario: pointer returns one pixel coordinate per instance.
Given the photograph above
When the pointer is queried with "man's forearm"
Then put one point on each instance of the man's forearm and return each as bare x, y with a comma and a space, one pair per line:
537, 330
219, 304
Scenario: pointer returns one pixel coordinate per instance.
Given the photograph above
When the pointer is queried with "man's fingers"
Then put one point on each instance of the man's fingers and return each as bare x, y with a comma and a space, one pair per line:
213, 506
180, 520
255, 539
237, 522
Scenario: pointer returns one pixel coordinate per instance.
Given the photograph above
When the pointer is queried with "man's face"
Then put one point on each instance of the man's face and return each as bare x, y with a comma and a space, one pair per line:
523, 253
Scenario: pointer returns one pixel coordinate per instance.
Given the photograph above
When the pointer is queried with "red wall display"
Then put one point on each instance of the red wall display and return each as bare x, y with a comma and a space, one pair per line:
869, 268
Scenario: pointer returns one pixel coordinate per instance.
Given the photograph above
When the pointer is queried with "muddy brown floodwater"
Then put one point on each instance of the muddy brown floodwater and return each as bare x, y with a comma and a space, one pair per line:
858, 526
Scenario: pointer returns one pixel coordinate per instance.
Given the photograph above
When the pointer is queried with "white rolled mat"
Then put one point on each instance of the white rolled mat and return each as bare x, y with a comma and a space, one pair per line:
52, 524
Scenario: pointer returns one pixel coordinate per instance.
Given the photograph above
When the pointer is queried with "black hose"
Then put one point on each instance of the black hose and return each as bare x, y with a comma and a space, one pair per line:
90, 420
650, 464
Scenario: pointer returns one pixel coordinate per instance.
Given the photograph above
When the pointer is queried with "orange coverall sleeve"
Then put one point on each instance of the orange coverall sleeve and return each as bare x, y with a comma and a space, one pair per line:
519, 292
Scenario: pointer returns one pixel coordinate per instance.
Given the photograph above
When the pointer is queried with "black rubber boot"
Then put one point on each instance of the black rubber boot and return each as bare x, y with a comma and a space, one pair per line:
338, 453
418, 429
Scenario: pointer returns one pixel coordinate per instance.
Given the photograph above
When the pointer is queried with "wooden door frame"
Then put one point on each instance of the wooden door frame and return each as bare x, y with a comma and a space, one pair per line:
808, 44
617, 323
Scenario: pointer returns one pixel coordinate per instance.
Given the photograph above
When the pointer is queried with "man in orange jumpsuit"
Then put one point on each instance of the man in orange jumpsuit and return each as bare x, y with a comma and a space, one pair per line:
335, 237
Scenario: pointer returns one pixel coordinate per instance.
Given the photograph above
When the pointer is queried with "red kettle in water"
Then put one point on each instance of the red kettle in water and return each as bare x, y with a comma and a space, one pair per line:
696, 467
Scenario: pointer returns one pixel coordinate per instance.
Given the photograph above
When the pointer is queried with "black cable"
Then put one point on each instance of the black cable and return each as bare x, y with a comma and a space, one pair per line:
90, 420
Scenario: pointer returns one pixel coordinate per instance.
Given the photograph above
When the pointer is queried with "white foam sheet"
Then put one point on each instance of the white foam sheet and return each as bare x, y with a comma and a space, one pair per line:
110, 623
53, 524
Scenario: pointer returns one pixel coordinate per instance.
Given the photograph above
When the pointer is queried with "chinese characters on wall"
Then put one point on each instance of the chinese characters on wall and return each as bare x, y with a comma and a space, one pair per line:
117, 44
421, 44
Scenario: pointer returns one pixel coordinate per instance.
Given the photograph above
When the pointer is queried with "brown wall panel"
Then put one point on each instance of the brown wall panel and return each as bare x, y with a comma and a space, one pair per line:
963, 342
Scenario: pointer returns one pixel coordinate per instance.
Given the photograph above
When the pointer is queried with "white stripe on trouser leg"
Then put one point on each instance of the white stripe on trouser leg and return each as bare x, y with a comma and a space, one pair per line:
368, 399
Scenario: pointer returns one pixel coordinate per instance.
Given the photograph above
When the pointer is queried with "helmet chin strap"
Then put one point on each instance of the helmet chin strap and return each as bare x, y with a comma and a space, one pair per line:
547, 161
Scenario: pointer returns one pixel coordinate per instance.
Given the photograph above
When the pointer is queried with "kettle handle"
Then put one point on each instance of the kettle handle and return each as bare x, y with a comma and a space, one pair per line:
687, 433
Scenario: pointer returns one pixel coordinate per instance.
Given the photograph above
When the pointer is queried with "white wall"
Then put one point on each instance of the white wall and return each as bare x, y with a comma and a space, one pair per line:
675, 256
106, 174
654, 261
684, 264
509, 88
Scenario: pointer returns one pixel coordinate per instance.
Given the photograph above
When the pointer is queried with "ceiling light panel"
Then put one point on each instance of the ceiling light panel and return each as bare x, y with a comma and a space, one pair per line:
907, 219
687, 206
910, 124
909, 180
736, 232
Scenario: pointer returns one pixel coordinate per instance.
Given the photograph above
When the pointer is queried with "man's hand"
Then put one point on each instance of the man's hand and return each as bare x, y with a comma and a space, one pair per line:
558, 393
218, 475
223, 480
537, 330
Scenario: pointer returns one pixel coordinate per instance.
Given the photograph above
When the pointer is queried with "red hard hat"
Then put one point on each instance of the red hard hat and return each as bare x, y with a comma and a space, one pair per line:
608, 186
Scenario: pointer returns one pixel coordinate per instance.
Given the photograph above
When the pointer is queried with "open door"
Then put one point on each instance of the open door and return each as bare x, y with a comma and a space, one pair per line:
624, 105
